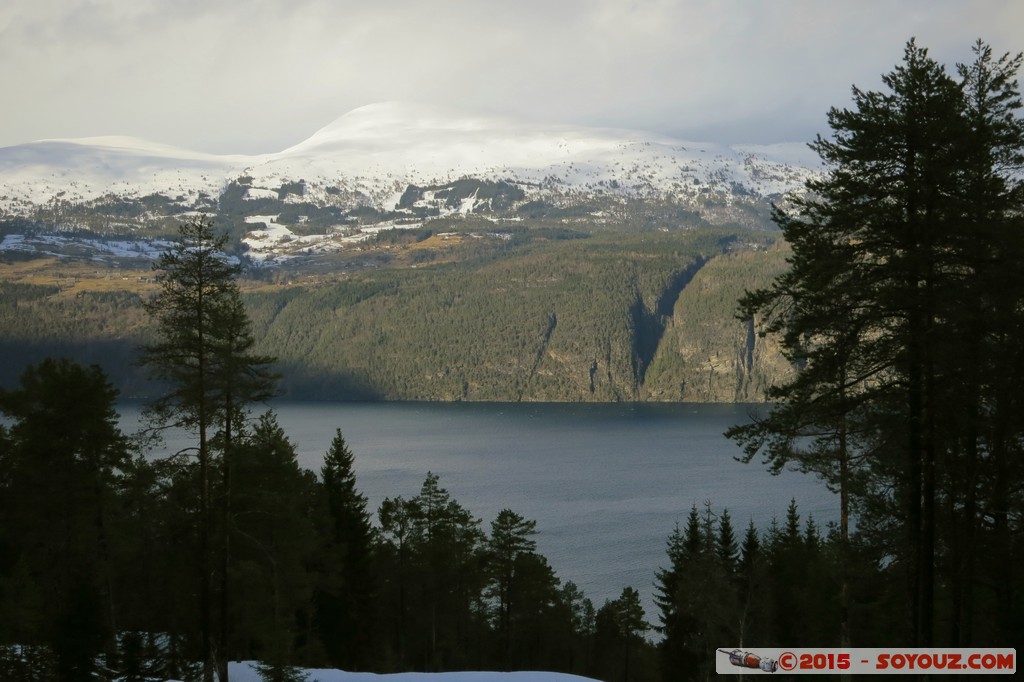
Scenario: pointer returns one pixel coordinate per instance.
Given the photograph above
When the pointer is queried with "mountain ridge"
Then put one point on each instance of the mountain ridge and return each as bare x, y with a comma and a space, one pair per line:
372, 152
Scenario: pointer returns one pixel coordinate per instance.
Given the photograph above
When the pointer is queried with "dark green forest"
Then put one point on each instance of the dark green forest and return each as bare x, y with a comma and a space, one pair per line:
887, 331
548, 316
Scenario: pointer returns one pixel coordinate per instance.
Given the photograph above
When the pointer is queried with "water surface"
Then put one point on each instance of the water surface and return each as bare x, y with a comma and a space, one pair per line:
606, 483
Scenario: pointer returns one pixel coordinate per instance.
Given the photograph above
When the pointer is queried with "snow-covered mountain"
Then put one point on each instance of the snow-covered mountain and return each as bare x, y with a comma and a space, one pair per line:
384, 166
373, 153
84, 169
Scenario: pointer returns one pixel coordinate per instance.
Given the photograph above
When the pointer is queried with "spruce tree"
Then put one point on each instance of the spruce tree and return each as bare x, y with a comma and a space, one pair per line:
751, 578
346, 595
698, 594
728, 551
676, 625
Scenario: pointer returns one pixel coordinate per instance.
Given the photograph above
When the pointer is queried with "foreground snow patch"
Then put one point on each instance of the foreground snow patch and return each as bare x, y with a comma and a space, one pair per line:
245, 671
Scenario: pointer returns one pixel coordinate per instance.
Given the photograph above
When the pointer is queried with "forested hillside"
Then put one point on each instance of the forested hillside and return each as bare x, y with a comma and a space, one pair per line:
539, 315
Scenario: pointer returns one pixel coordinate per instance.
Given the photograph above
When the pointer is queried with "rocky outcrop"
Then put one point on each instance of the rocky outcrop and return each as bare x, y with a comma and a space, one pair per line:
706, 355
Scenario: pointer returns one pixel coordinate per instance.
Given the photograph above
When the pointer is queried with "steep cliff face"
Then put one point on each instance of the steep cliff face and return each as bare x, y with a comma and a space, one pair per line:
706, 355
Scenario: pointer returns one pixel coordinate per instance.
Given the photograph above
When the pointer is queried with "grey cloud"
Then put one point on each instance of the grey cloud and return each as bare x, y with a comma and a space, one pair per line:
225, 75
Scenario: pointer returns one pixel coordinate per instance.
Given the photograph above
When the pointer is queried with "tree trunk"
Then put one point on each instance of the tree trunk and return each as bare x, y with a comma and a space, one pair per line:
226, 541
205, 567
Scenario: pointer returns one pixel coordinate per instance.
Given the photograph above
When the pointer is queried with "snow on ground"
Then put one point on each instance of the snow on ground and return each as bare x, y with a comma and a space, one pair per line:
276, 242
245, 672
366, 232
85, 169
266, 243
466, 207
55, 245
260, 193
267, 219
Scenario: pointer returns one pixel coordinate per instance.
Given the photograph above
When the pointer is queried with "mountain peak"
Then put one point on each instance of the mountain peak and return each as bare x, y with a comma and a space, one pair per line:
396, 120
403, 110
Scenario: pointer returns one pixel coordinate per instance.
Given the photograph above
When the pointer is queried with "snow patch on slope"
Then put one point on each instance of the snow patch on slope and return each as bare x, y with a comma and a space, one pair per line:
61, 246
274, 243
246, 672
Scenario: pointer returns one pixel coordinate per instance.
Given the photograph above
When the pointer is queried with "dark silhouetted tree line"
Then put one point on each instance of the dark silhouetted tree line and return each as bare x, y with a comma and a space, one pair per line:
904, 306
769, 588
903, 310
100, 569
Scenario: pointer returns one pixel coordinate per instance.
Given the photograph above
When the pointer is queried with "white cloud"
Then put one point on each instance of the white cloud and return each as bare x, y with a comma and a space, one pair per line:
231, 75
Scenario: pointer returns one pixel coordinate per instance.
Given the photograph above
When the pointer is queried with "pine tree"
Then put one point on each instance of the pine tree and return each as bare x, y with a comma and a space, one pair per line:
892, 267
510, 541
204, 357
581, 620
61, 468
275, 541
435, 548
622, 623
990, 348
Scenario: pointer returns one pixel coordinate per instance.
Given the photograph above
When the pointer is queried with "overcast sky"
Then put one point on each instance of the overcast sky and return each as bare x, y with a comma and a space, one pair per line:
250, 76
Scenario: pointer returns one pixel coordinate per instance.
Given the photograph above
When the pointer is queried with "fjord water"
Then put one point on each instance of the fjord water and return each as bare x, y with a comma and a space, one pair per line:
606, 483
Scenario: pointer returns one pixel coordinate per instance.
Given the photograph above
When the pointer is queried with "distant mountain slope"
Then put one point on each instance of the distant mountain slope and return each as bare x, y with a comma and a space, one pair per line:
371, 154
546, 315
84, 169
380, 147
